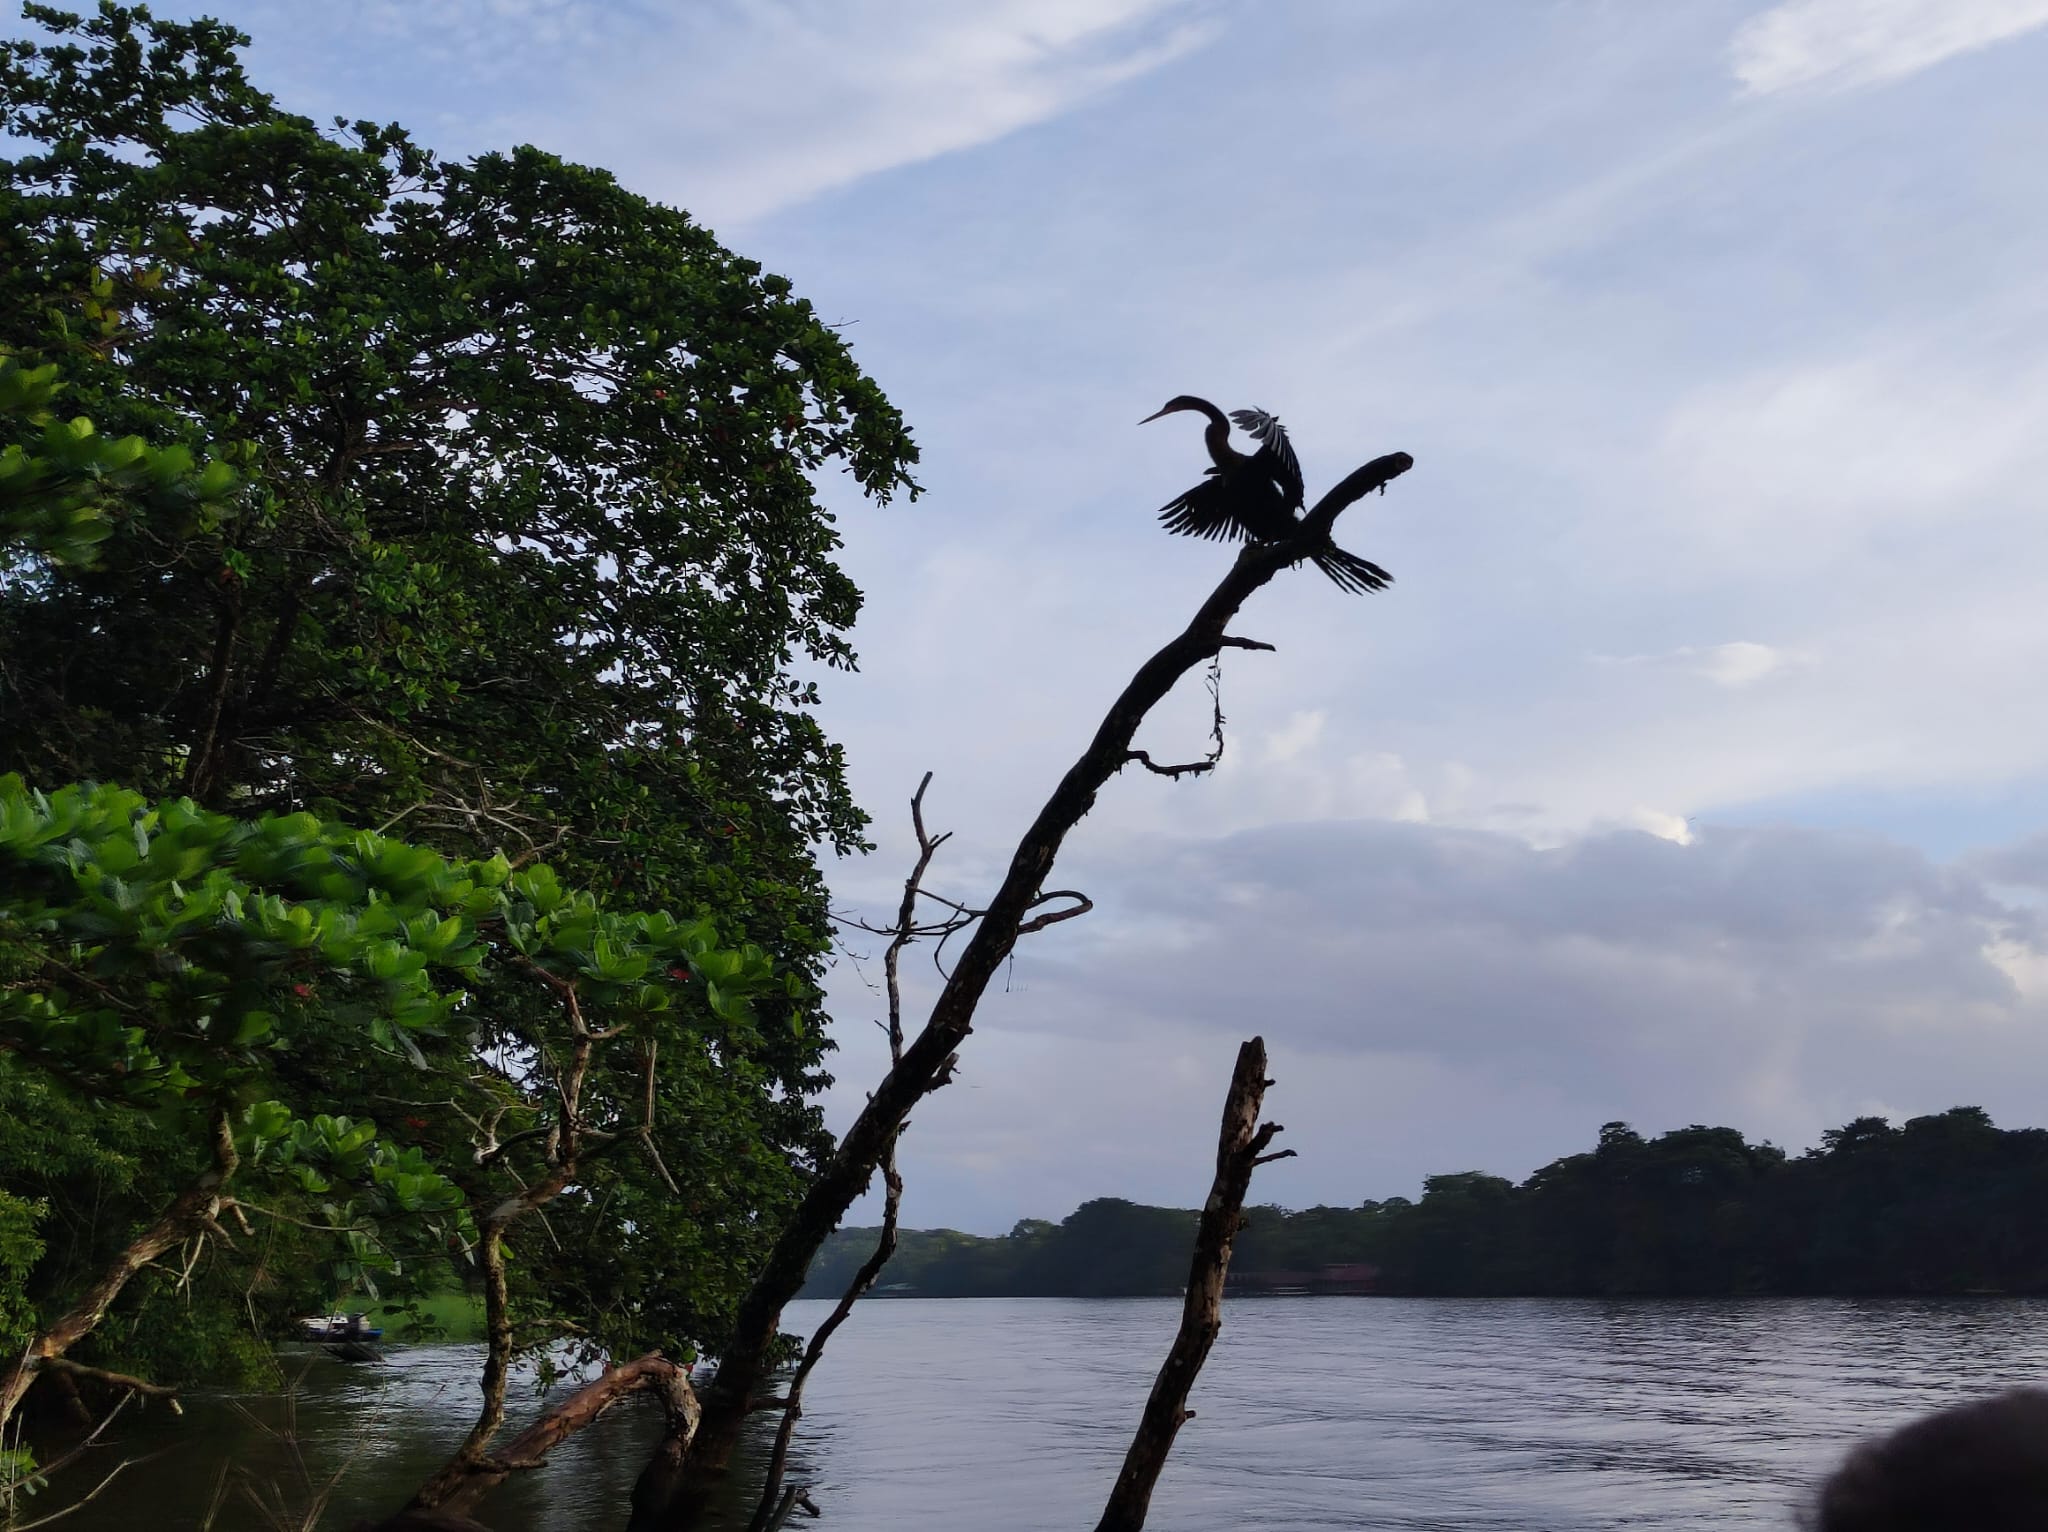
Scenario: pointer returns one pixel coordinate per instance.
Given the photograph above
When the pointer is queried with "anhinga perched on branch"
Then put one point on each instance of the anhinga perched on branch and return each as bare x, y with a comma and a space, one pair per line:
1253, 496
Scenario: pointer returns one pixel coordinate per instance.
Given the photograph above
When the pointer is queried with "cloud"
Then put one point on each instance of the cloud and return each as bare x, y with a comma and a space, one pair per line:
1726, 969
1725, 390
1443, 999
1671, 827
1844, 43
1736, 664
1740, 663
1818, 453
2023, 864
779, 102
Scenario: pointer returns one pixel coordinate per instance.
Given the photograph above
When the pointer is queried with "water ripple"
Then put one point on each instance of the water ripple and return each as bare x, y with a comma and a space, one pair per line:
1405, 1415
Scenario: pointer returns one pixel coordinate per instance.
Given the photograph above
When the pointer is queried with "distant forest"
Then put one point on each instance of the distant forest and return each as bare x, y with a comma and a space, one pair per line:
1948, 1203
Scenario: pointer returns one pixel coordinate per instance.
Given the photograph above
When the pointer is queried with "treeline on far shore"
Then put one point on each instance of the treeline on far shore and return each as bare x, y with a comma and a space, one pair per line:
1944, 1204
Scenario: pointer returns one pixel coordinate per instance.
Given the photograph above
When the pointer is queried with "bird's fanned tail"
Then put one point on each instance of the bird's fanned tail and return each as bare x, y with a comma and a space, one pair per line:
1350, 572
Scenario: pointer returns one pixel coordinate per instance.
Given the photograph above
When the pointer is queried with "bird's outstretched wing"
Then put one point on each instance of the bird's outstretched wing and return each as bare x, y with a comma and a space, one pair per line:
1208, 510
1275, 454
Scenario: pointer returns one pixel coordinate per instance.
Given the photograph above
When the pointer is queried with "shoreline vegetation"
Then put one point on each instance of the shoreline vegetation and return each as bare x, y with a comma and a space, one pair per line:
1939, 1205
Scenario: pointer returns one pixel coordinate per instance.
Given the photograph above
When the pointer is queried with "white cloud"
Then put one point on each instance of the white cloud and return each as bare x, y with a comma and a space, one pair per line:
1736, 664
1721, 389
782, 101
1671, 827
1300, 733
2025, 965
1741, 663
1841, 43
1810, 458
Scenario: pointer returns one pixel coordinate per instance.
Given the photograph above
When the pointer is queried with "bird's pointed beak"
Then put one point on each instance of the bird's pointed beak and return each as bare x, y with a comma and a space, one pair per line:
1155, 415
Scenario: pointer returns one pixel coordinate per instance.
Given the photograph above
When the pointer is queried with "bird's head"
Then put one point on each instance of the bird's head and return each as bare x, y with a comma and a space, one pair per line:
1184, 402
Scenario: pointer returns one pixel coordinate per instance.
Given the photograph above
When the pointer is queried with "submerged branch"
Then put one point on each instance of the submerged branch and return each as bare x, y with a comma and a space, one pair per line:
654, 1373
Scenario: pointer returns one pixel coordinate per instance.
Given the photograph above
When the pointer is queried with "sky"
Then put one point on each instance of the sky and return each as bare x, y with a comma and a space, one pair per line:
1694, 770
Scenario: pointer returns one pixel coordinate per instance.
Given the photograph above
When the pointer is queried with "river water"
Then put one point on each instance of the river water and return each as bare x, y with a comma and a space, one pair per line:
1325, 1413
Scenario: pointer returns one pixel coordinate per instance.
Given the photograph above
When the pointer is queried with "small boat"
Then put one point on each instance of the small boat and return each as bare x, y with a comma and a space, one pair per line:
338, 1327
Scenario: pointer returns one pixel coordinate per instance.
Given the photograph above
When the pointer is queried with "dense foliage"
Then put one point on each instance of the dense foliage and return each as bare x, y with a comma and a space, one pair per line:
1943, 1204
170, 968
477, 508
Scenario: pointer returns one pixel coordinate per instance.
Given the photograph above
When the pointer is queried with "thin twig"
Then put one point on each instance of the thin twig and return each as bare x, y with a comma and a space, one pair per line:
776, 1502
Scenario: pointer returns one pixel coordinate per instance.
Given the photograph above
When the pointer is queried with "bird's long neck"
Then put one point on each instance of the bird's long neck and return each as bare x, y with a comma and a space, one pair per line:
1216, 435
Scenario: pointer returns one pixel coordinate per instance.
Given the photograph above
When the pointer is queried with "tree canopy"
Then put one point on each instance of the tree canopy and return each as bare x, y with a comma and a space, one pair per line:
537, 559
411, 576
1939, 1204
183, 987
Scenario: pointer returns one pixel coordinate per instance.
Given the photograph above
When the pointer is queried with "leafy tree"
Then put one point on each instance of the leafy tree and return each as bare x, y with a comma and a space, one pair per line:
526, 554
177, 980
149, 957
1942, 1204
197, 973
538, 541
62, 490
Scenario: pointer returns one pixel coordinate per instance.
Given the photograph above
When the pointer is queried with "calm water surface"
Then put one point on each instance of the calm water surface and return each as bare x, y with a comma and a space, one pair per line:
1539, 1415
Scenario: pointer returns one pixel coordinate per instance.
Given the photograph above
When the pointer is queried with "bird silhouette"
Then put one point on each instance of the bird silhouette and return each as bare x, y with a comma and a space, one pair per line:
1254, 496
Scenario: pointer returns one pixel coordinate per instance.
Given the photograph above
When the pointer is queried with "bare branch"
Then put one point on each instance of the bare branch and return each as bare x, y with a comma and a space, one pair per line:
1214, 681
792, 1498
777, 1502
1201, 1320
653, 1373
1187, 769
565, 1142
670, 1501
1082, 905
114, 1379
906, 913
90, 1495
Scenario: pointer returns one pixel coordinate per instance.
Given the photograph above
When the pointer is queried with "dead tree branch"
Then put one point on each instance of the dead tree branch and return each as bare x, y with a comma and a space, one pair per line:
1082, 905
1207, 763
792, 1499
134, 1385
906, 926
681, 1501
776, 1503
1238, 1151
567, 1145
653, 1373
192, 1212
